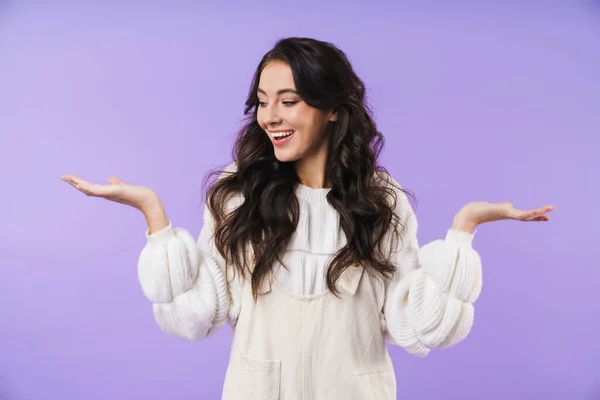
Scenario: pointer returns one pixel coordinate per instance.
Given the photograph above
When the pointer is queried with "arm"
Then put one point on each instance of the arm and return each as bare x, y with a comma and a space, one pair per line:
429, 302
432, 306
185, 280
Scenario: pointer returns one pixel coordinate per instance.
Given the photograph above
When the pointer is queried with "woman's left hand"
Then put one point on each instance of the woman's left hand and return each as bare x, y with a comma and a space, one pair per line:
480, 212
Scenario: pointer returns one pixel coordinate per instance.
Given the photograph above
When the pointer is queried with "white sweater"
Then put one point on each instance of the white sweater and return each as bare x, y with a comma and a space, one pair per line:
422, 307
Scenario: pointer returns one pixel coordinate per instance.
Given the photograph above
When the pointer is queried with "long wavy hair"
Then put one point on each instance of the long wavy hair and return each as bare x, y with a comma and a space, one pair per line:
361, 190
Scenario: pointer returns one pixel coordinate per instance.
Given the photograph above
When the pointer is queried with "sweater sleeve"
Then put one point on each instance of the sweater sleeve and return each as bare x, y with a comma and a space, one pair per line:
429, 302
192, 292
186, 281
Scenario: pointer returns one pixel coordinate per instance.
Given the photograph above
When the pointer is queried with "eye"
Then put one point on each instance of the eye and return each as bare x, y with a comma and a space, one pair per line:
262, 104
289, 103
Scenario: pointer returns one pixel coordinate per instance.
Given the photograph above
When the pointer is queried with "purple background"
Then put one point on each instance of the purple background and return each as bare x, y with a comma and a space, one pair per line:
478, 100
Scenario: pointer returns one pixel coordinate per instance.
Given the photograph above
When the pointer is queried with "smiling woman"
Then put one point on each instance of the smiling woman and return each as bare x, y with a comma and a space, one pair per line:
298, 131
309, 248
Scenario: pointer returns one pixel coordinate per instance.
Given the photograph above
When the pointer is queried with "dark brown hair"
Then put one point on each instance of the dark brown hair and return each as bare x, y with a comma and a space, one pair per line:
361, 191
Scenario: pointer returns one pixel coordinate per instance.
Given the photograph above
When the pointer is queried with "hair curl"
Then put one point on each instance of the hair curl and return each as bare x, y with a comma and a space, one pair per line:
361, 189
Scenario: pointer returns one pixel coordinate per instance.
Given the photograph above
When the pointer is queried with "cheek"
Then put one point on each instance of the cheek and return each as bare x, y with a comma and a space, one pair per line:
318, 126
292, 116
260, 118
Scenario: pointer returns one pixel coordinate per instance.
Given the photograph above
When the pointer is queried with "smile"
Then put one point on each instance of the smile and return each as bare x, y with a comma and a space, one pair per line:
282, 137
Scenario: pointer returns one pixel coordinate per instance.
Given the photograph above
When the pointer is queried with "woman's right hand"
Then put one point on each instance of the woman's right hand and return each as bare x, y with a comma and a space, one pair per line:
140, 197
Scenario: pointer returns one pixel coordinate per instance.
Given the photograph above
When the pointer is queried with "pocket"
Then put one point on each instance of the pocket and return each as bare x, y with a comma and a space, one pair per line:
259, 379
375, 385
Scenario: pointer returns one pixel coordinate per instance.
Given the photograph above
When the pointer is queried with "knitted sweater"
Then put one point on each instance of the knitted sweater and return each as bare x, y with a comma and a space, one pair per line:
427, 304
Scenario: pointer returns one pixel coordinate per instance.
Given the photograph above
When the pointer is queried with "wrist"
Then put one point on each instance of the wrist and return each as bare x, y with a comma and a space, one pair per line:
156, 217
463, 223
152, 205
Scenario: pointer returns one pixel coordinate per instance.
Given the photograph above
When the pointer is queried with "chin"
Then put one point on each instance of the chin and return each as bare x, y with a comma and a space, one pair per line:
286, 156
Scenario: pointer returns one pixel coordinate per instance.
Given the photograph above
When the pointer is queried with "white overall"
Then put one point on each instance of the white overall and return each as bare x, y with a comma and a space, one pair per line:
317, 347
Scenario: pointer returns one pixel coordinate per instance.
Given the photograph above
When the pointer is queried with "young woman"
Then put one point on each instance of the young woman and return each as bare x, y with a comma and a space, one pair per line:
309, 248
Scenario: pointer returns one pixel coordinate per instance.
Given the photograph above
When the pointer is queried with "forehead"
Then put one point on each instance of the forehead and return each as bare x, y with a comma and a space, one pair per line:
276, 75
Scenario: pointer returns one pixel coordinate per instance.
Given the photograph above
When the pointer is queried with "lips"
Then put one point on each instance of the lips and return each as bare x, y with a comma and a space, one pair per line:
282, 137
282, 134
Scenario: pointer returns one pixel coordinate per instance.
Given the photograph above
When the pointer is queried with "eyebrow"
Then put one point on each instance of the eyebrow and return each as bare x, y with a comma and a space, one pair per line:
282, 91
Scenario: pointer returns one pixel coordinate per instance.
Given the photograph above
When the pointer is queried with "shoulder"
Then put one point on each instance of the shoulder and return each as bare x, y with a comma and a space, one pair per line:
226, 171
383, 177
395, 192
403, 224
225, 193
231, 167
401, 200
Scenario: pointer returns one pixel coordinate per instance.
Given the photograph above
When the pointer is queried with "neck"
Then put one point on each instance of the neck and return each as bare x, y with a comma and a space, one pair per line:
311, 172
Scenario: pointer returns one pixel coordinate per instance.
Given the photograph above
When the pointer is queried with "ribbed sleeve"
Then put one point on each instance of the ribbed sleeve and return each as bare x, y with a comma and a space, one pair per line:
429, 303
186, 281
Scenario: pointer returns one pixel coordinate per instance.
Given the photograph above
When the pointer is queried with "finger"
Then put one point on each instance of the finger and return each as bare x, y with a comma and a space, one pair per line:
542, 210
529, 215
94, 190
522, 215
113, 180
72, 179
85, 188
542, 218
66, 178
534, 215
69, 177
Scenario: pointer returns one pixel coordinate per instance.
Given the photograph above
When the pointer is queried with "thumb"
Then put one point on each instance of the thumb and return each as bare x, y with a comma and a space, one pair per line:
115, 181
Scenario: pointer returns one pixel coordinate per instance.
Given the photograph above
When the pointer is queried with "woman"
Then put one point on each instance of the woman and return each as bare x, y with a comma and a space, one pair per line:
309, 248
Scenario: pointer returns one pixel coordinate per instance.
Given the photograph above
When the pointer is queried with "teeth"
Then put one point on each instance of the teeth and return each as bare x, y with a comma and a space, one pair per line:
282, 134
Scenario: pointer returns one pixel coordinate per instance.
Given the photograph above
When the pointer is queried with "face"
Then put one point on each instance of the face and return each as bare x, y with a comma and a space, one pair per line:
296, 130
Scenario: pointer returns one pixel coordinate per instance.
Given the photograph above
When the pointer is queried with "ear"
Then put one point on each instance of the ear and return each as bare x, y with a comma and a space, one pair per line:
333, 116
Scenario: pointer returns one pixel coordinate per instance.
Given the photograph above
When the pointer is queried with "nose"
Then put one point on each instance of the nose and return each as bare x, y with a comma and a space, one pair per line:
272, 115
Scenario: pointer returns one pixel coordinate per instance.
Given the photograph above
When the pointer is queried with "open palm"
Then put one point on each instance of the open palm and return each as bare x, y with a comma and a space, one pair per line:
483, 211
117, 190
